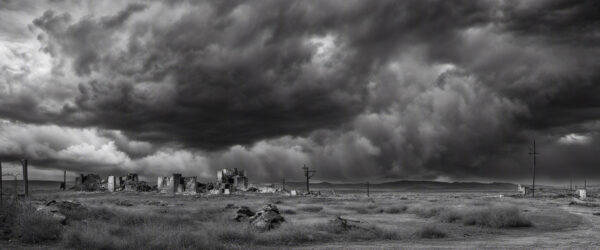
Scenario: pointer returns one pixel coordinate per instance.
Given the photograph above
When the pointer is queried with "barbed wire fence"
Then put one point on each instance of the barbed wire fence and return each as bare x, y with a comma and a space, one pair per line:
10, 175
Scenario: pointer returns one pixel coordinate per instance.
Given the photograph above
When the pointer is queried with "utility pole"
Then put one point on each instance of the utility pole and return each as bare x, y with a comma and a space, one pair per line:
534, 154
367, 189
571, 184
64, 187
308, 173
25, 177
283, 184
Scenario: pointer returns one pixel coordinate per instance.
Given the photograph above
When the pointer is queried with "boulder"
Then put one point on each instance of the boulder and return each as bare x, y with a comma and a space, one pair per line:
52, 209
267, 218
243, 213
341, 224
66, 205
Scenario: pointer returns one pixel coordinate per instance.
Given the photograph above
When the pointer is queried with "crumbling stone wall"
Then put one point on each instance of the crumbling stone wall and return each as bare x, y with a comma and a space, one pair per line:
177, 184
89, 182
112, 183
232, 179
190, 184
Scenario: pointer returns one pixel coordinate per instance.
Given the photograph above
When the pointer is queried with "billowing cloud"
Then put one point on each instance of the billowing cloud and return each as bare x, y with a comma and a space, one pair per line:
357, 89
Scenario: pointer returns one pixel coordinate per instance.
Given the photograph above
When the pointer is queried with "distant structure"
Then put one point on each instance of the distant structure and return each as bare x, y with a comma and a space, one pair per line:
581, 193
112, 183
230, 180
89, 182
177, 184
523, 190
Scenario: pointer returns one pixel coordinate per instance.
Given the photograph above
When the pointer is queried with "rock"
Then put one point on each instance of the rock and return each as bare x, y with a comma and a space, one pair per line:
66, 205
51, 211
59, 208
267, 218
340, 223
243, 213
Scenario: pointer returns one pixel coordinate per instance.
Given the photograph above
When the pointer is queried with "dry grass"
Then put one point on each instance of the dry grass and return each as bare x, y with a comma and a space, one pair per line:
205, 223
430, 232
19, 220
311, 209
488, 215
396, 209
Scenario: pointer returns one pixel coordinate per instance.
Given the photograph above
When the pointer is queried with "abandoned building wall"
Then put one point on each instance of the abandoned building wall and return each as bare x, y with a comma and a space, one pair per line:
177, 184
177, 181
89, 182
112, 183
190, 184
232, 179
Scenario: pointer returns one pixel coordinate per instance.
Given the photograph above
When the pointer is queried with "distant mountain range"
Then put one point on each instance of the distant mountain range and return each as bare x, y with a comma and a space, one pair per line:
406, 185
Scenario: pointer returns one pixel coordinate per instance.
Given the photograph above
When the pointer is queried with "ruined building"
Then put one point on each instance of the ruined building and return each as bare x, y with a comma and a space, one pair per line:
129, 182
89, 182
230, 180
524, 190
177, 184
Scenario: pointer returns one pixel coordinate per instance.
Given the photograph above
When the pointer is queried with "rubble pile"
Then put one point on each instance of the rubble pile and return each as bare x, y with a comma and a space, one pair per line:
231, 180
243, 213
56, 209
267, 218
131, 183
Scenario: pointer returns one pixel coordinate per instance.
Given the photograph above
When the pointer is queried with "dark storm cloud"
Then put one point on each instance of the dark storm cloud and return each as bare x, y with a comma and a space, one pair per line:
386, 89
237, 73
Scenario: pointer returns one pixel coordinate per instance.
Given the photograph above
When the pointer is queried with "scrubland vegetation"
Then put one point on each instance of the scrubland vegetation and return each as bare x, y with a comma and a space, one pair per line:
206, 223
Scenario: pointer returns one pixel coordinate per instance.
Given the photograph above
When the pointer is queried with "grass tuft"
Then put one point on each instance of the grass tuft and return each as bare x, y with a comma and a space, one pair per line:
430, 232
311, 209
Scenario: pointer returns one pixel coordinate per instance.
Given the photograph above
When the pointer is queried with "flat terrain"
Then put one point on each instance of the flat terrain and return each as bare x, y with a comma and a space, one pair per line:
387, 220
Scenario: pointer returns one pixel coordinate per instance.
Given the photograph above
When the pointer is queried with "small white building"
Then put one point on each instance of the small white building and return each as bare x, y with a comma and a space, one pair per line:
523, 190
581, 193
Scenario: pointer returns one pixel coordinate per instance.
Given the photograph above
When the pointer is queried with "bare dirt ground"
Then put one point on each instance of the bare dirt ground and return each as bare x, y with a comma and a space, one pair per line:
555, 223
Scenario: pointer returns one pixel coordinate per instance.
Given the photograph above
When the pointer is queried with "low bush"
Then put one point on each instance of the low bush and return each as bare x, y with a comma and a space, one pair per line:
395, 210
311, 209
489, 215
497, 216
32, 227
430, 232
288, 211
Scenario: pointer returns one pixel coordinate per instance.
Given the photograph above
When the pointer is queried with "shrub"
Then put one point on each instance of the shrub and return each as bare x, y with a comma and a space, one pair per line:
395, 210
496, 216
430, 232
370, 209
292, 235
8, 213
425, 212
311, 209
89, 213
288, 211
489, 215
32, 227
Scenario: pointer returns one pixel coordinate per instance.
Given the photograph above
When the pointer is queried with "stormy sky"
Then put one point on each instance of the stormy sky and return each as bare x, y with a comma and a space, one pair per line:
359, 90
